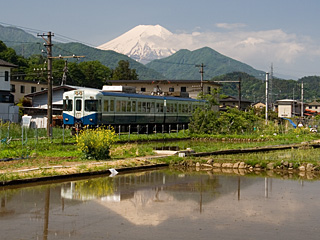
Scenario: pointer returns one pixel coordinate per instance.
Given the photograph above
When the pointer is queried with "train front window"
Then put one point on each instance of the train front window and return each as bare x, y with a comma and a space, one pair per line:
67, 105
91, 105
78, 105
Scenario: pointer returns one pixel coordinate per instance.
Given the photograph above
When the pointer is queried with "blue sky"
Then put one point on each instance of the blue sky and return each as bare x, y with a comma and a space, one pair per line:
283, 32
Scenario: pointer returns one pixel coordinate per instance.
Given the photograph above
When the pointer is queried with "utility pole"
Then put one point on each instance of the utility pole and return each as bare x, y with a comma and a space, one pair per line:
302, 111
267, 79
201, 72
48, 46
270, 86
239, 93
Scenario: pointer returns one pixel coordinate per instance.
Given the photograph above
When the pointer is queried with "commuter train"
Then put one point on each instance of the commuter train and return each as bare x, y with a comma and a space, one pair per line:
118, 106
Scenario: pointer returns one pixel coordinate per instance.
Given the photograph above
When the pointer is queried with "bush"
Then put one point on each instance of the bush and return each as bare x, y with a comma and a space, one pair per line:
96, 143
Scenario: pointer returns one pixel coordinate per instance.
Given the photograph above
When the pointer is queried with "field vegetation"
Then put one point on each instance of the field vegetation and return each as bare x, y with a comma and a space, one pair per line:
22, 149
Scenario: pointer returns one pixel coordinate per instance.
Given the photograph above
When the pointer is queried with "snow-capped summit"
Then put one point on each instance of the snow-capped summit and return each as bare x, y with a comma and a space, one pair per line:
143, 43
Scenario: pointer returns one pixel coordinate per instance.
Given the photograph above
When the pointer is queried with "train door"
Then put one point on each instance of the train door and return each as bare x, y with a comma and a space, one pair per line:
78, 109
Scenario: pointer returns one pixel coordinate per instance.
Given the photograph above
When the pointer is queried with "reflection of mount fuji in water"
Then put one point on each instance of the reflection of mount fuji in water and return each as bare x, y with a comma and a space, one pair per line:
139, 199
148, 185
150, 198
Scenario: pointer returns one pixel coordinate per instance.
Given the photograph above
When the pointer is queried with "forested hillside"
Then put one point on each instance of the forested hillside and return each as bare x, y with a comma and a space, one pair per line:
182, 65
254, 89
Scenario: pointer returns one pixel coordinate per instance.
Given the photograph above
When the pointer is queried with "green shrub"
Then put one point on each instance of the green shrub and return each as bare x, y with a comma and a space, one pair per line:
96, 143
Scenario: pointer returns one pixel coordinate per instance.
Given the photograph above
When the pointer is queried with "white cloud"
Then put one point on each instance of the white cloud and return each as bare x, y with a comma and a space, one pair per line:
230, 26
256, 48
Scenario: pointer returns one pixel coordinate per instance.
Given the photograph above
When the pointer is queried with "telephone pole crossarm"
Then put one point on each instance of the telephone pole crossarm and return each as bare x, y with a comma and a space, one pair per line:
62, 57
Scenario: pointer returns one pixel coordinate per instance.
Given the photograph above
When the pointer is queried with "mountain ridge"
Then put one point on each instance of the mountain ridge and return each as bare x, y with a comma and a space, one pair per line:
178, 65
25, 44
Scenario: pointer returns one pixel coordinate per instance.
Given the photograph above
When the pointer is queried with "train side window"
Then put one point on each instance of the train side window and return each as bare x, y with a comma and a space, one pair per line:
175, 107
161, 107
168, 107
118, 106
67, 105
78, 105
123, 106
129, 106
157, 108
144, 107
106, 105
148, 107
152, 107
111, 105
134, 106
139, 106
180, 108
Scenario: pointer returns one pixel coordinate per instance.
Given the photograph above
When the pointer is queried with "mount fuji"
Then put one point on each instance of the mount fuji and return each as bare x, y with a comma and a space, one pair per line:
143, 43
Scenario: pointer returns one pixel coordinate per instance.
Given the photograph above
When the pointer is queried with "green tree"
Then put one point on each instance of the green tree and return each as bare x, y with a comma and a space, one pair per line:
9, 55
228, 122
123, 72
95, 74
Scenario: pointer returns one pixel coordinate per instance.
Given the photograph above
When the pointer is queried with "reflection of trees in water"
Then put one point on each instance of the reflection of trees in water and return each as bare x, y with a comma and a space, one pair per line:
3, 208
98, 187
180, 185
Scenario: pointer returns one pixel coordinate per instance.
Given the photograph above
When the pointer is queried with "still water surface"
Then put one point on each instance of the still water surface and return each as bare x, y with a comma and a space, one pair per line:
163, 204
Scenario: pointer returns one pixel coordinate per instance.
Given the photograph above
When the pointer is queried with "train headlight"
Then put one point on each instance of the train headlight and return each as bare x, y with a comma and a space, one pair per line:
91, 120
67, 119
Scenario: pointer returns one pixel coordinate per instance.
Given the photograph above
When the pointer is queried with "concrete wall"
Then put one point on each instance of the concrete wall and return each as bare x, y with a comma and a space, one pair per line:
9, 112
4, 85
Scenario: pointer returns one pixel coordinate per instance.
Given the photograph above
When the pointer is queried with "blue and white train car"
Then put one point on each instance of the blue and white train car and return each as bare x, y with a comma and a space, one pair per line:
107, 107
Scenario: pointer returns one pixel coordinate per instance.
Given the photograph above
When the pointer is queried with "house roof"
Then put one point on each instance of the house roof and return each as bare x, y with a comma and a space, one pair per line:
233, 99
45, 91
66, 87
7, 64
314, 103
286, 100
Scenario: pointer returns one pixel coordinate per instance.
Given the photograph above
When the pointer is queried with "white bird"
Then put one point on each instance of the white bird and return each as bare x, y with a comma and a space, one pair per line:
113, 172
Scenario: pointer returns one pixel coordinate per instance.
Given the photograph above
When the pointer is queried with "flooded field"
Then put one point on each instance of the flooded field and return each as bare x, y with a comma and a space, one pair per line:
163, 204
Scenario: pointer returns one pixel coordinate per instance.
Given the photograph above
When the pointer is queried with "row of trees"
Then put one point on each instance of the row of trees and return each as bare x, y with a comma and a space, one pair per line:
254, 89
88, 73
232, 121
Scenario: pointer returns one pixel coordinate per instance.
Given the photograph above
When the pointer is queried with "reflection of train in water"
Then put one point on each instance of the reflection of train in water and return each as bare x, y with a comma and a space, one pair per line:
117, 105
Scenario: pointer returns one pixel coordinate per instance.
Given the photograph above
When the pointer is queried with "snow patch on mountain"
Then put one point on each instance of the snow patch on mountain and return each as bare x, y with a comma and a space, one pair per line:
143, 43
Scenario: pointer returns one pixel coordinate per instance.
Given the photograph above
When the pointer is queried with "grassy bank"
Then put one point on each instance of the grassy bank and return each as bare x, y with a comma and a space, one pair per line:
60, 154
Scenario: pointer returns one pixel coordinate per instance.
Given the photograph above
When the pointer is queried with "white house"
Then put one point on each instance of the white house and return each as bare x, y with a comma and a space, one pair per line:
288, 108
8, 112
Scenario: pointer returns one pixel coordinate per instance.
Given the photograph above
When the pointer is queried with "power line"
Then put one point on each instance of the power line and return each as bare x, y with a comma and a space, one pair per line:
36, 31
